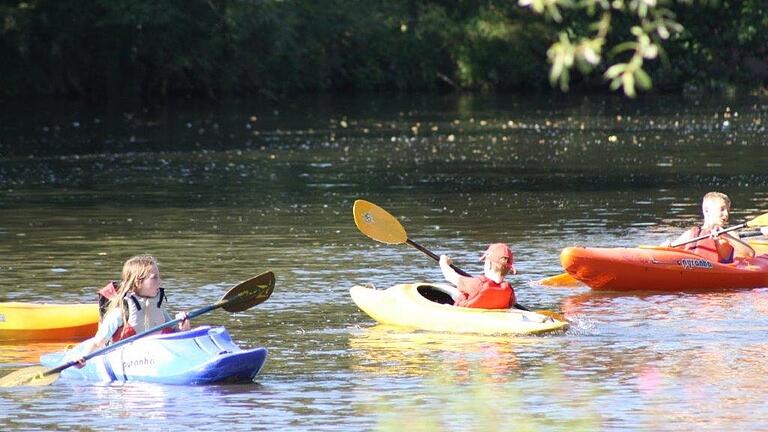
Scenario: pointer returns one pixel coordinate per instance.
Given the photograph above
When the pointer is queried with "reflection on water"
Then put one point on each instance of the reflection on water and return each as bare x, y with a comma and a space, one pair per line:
222, 193
447, 400
389, 350
14, 354
466, 379
101, 406
145, 401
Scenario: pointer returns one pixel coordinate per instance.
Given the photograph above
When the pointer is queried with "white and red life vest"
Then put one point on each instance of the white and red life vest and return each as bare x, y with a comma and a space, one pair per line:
143, 312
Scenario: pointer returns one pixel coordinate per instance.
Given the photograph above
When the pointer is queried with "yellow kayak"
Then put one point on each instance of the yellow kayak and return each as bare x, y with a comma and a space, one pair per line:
430, 307
760, 245
47, 322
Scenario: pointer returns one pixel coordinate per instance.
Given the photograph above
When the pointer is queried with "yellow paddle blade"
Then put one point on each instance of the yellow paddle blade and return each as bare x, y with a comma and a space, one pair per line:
29, 376
563, 279
377, 223
761, 220
249, 293
551, 314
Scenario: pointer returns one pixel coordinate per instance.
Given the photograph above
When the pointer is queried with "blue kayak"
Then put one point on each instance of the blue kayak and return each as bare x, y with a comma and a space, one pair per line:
204, 355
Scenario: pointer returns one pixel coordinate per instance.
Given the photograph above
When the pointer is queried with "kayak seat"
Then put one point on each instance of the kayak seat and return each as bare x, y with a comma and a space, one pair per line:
435, 294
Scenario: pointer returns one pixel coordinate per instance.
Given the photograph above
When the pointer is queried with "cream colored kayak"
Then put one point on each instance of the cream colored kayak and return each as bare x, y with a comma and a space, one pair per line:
430, 307
48, 322
760, 245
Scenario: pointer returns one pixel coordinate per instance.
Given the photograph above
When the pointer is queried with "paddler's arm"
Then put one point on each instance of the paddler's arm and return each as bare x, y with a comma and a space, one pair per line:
448, 272
107, 327
682, 238
89, 346
740, 248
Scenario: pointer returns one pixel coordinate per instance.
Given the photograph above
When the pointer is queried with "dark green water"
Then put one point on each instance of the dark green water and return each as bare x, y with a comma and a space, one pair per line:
222, 192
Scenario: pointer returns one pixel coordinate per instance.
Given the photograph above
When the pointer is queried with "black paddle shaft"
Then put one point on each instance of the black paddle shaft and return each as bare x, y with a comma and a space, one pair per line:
432, 255
751, 234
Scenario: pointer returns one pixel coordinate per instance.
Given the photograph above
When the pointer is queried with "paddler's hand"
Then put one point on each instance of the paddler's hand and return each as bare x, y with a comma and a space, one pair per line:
445, 260
716, 231
184, 324
80, 363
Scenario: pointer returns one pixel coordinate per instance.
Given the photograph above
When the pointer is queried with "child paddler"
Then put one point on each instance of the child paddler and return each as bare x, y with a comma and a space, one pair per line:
720, 247
489, 291
135, 307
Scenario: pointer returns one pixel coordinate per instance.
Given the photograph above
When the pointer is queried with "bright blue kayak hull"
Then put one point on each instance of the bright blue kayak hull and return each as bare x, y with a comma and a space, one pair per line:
204, 355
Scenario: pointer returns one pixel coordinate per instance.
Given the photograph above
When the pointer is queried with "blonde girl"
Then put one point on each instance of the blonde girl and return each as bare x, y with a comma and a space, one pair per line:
136, 307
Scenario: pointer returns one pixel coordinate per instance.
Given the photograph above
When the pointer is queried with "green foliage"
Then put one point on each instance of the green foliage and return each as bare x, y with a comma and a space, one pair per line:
637, 31
727, 46
100, 49
652, 23
500, 49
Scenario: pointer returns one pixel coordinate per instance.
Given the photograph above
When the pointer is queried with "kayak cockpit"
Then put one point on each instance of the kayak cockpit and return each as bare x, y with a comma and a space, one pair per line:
438, 293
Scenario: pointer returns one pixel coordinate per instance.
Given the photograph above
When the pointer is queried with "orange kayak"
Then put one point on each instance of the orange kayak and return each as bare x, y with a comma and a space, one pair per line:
660, 269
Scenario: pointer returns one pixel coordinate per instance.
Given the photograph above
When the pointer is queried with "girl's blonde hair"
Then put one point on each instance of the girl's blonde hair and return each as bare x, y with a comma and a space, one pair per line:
135, 270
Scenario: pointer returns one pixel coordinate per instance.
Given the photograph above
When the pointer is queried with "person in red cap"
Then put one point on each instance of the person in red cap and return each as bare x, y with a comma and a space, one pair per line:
489, 291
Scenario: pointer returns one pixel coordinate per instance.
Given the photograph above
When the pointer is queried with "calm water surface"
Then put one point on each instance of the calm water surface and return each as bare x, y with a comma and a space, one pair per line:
221, 193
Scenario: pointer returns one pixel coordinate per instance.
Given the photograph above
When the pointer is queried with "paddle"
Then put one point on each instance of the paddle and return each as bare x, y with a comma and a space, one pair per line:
565, 279
380, 225
562, 279
241, 297
750, 234
761, 220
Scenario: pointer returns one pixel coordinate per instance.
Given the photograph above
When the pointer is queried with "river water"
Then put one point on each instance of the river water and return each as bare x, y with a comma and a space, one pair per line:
221, 192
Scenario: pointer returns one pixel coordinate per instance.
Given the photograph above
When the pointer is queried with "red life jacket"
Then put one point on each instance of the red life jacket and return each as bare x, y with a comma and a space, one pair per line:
708, 247
125, 331
489, 295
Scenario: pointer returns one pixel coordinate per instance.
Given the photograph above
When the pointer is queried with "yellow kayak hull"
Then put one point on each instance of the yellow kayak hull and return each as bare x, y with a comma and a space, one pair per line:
47, 322
760, 245
407, 305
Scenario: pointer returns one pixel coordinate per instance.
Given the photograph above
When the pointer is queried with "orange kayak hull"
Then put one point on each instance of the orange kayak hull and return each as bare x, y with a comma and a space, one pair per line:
660, 269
